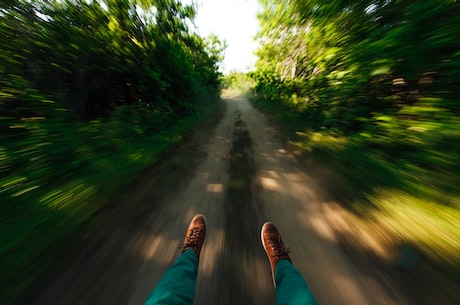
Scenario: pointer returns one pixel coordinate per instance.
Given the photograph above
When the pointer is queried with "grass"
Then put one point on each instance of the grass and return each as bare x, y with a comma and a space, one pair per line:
432, 227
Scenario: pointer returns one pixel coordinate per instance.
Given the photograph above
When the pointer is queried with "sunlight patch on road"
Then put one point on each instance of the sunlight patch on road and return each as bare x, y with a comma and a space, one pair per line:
269, 183
322, 228
148, 246
271, 173
215, 187
293, 177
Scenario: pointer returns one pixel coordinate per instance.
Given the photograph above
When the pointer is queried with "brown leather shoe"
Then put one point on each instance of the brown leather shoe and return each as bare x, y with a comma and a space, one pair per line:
196, 232
274, 246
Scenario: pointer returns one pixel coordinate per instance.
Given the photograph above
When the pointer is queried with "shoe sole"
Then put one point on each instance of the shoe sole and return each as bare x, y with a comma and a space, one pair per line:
265, 249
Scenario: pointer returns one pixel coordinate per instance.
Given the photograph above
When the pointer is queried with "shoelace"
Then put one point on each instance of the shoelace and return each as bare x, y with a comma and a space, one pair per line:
192, 238
278, 249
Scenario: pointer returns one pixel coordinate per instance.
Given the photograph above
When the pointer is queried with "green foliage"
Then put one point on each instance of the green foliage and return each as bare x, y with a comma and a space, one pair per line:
236, 83
91, 92
343, 51
387, 68
60, 172
93, 59
369, 89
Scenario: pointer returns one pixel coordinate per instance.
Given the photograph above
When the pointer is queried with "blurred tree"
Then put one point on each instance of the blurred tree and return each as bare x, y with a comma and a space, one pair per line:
93, 57
356, 57
89, 89
369, 89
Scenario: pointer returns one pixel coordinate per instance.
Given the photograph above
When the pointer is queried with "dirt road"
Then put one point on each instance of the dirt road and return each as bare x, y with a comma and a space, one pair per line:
241, 177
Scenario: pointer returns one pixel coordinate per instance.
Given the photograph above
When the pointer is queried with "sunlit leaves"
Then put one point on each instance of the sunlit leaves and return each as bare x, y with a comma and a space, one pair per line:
386, 69
373, 90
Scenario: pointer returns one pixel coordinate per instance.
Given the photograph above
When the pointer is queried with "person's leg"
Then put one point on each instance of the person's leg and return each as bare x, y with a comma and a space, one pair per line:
177, 286
291, 287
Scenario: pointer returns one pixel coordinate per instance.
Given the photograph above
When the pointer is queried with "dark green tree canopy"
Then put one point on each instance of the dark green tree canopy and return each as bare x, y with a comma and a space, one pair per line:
93, 56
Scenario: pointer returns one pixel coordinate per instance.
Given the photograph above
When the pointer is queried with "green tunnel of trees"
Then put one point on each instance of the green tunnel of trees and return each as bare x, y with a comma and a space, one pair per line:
93, 91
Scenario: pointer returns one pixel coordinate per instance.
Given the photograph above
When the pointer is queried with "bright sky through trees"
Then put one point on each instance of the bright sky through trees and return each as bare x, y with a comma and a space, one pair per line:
235, 22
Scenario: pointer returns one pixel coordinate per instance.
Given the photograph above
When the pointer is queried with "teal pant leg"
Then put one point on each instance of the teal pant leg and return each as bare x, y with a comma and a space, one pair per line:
291, 288
177, 286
